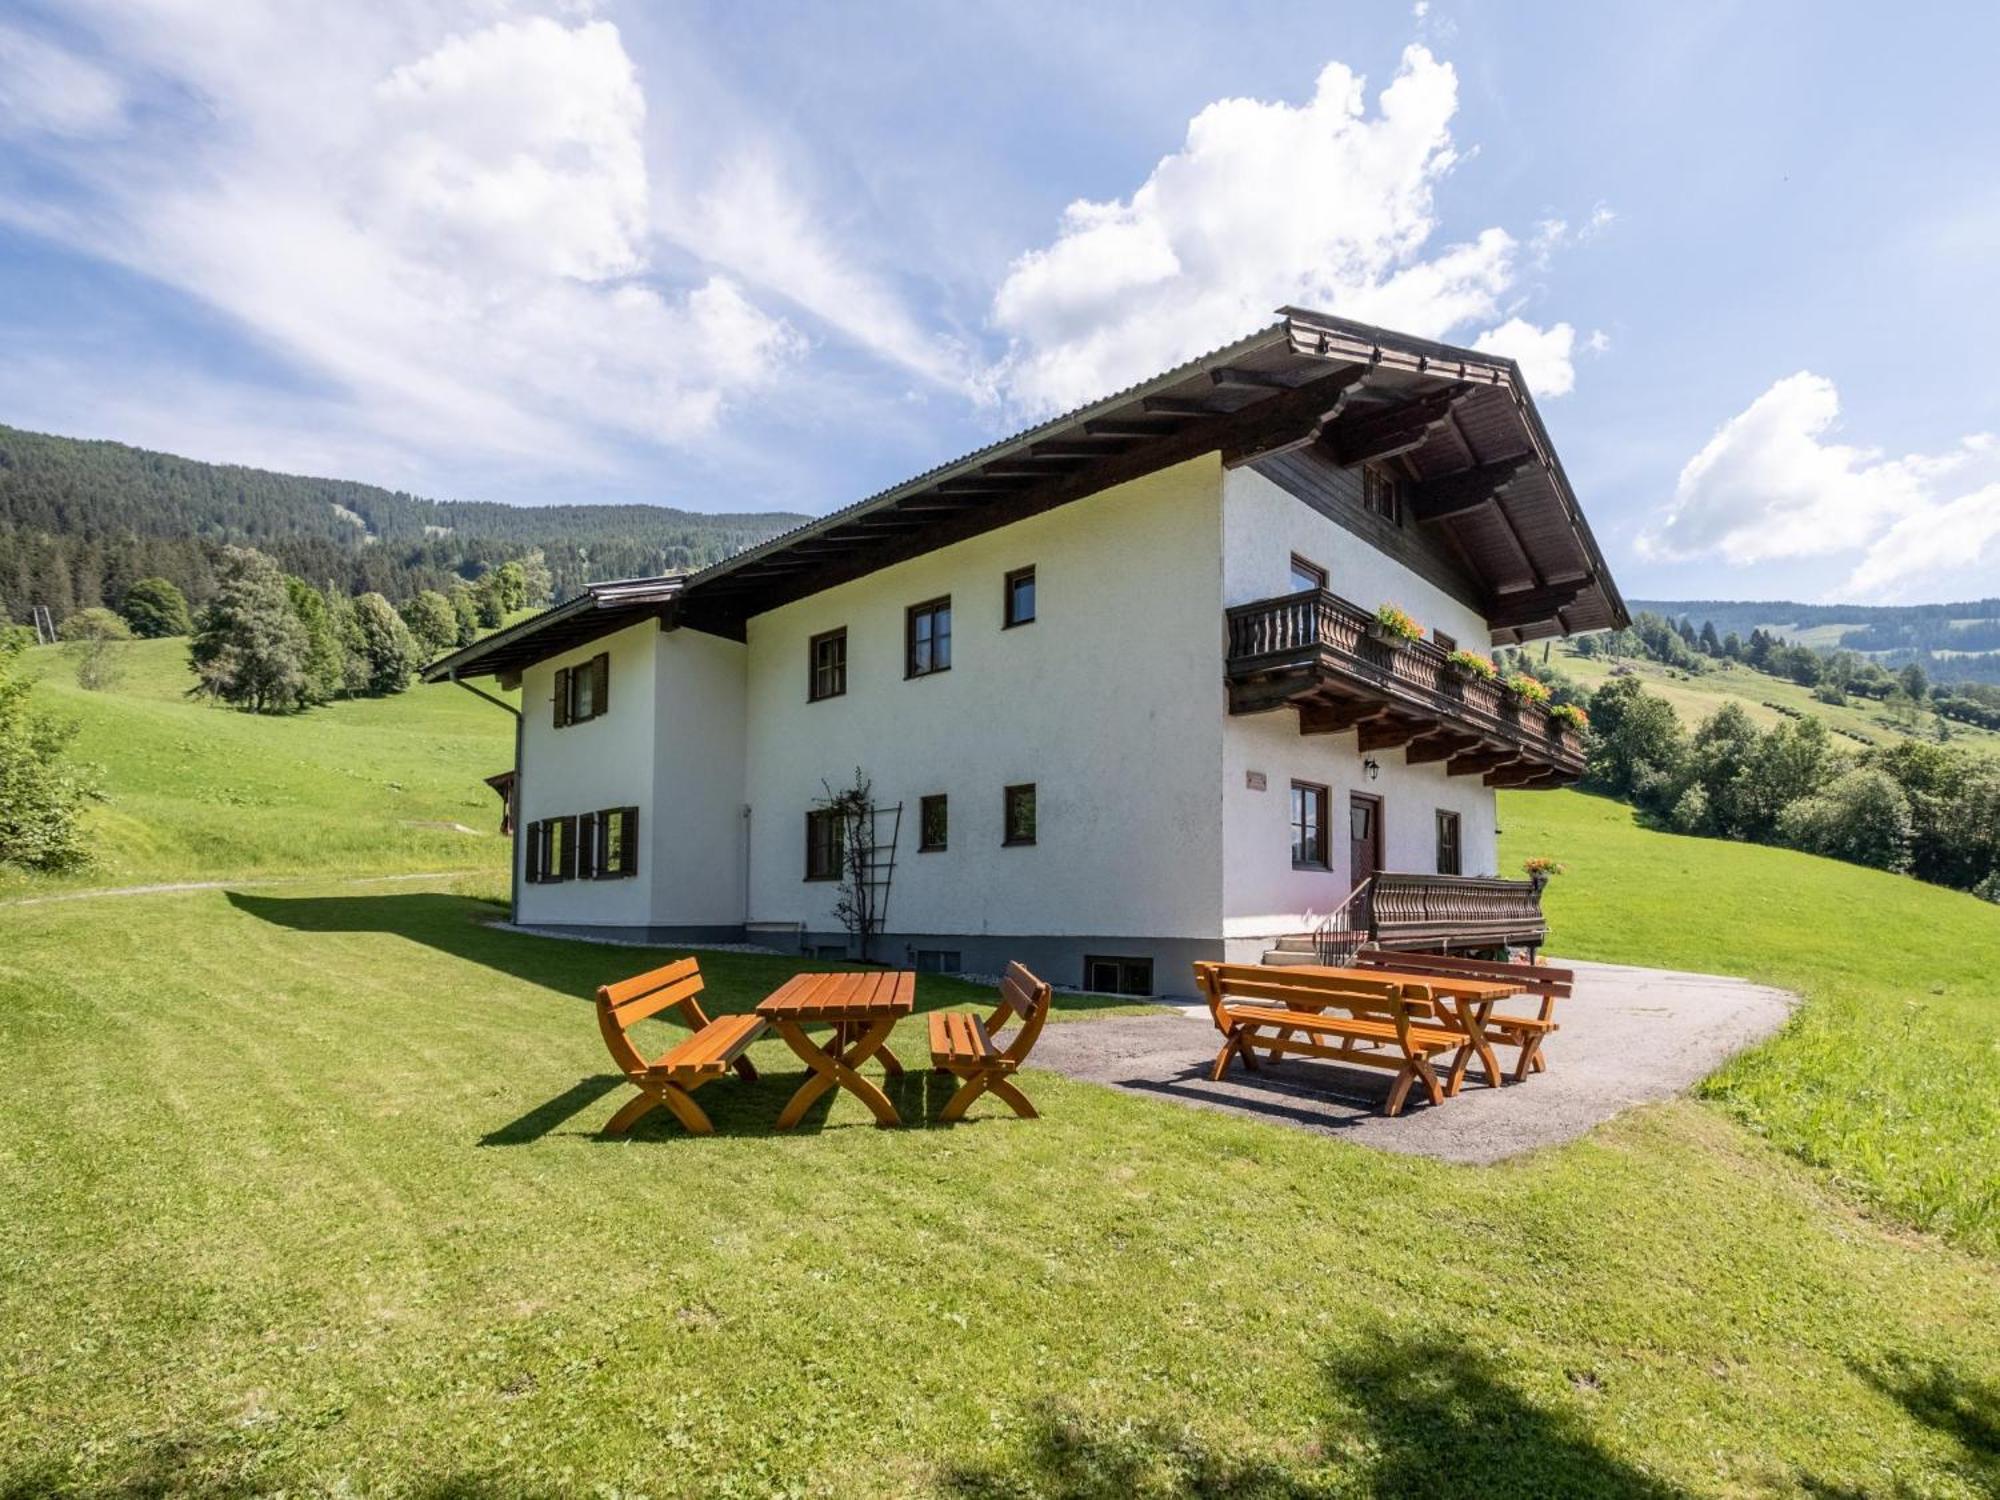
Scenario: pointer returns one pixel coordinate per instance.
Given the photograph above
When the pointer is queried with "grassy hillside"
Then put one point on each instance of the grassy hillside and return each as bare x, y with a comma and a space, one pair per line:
1696, 696
305, 1194
195, 791
1889, 1078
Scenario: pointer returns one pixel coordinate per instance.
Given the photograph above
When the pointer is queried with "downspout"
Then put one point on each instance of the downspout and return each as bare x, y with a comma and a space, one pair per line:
513, 854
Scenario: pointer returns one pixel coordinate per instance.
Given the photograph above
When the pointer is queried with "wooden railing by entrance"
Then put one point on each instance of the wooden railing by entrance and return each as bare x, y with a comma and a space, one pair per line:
1435, 913
1314, 651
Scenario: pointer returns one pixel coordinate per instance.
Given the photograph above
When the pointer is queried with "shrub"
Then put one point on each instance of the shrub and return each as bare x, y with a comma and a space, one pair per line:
155, 607
1690, 812
41, 793
1862, 816
1989, 888
87, 636
1395, 622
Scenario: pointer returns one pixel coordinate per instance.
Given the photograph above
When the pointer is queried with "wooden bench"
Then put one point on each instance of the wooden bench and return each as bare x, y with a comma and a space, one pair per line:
964, 1046
1525, 1032
1379, 1025
671, 1078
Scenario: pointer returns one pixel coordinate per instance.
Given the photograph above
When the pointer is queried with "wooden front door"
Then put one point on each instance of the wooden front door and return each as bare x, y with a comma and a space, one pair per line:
1364, 836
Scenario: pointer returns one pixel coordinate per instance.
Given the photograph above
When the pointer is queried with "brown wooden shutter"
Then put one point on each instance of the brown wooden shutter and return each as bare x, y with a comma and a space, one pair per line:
532, 856
562, 697
588, 859
568, 871
628, 847
600, 685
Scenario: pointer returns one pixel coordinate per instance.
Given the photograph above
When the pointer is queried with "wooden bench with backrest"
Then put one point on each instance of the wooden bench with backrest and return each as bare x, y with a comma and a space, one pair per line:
964, 1045
1525, 1032
670, 1079
1390, 1024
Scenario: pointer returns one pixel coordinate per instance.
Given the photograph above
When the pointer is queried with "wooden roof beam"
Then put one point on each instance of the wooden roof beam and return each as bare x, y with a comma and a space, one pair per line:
1132, 427
1448, 495
1479, 762
1384, 434
1270, 380
1180, 406
1531, 606
1102, 448
1438, 745
1387, 733
1298, 430
1335, 718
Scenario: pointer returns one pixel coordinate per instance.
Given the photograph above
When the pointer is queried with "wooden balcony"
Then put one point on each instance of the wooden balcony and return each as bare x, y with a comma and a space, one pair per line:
1314, 652
1432, 913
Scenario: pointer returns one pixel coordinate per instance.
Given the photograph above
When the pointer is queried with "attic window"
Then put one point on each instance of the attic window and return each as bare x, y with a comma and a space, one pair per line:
1381, 493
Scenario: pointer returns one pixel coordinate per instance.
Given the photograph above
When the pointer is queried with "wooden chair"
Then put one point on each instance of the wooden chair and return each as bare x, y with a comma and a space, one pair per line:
963, 1045
671, 1078
1284, 1010
1525, 1032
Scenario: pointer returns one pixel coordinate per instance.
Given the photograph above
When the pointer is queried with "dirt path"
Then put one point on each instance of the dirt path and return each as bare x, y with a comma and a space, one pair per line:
174, 887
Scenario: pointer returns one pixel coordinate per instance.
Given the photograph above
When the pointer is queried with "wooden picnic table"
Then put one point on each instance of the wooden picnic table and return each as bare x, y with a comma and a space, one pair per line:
862, 1009
1469, 1002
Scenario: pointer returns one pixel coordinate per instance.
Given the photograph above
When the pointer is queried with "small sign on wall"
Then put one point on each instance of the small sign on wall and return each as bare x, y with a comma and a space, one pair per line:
1254, 780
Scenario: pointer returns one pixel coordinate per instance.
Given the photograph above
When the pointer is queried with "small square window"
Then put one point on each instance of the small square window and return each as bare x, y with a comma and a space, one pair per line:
933, 823
1442, 641
827, 661
1118, 976
823, 844
937, 961
1381, 493
1020, 594
1306, 575
927, 639
1020, 814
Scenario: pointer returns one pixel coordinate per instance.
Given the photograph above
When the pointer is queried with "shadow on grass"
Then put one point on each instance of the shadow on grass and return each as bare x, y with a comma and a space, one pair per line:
1961, 1407
1418, 1416
455, 925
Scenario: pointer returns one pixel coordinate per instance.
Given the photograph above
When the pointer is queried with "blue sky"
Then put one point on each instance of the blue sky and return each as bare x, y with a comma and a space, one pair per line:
751, 256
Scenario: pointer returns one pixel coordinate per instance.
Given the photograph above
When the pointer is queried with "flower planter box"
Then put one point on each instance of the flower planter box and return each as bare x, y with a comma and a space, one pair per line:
1377, 631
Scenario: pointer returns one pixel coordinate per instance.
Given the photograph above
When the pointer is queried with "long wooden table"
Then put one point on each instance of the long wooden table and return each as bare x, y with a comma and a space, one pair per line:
862, 1009
1468, 1002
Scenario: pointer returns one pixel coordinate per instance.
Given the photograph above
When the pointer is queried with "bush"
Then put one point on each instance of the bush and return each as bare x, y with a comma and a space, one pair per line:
154, 607
1690, 813
88, 635
250, 648
41, 794
1862, 817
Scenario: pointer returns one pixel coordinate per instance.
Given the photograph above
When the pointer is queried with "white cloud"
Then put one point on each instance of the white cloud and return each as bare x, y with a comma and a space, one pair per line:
1935, 542
1321, 204
1544, 354
1772, 484
45, 89
1601, 218
441, 213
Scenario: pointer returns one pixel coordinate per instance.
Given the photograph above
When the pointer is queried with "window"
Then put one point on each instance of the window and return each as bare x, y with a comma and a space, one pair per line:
551, 853
608, 844
583, 692
928, 639
1020, 815
1448, 846
933, 823
1309, 827
827, 665
1381, 492
1306, 575
1118, 976
1442, 641
823, 844
1020, 592
937, 961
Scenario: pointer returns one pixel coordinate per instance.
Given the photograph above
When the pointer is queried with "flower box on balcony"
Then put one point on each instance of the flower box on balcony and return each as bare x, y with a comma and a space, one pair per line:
1393, 628
1469, 666
1524, 689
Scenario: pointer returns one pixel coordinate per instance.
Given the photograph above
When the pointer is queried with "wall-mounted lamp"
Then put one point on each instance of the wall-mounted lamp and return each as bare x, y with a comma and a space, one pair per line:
1371, 768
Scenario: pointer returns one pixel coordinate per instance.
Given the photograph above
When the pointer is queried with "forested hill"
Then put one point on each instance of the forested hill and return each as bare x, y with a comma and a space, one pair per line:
81, 520
1959, 641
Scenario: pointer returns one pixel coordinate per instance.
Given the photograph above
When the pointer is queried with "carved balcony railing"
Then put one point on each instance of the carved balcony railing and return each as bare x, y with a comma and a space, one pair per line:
1316, 652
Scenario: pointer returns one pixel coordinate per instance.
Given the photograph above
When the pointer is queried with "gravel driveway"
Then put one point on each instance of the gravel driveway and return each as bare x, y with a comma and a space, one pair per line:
1628, 1036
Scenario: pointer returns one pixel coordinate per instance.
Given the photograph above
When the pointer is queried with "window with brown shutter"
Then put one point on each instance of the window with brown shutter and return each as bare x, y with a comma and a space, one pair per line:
531, 853
589, 841
564, 832
823, 845
927, 638
1018, 815
627, 862
826, 661
1450, 857
583, 692
609, 847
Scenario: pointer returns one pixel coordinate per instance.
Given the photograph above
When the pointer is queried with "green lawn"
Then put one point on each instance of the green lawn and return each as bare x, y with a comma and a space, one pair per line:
1696, 696
305, 1194
196, 791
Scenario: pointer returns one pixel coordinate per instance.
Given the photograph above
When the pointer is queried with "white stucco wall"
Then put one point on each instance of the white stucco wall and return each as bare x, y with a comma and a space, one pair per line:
1262, 526
604, 762
694, 831
1110, 702
1263, 895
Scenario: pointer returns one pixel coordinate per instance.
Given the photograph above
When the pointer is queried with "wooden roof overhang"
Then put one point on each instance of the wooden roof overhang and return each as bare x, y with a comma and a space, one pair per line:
602, 609
1486, 477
